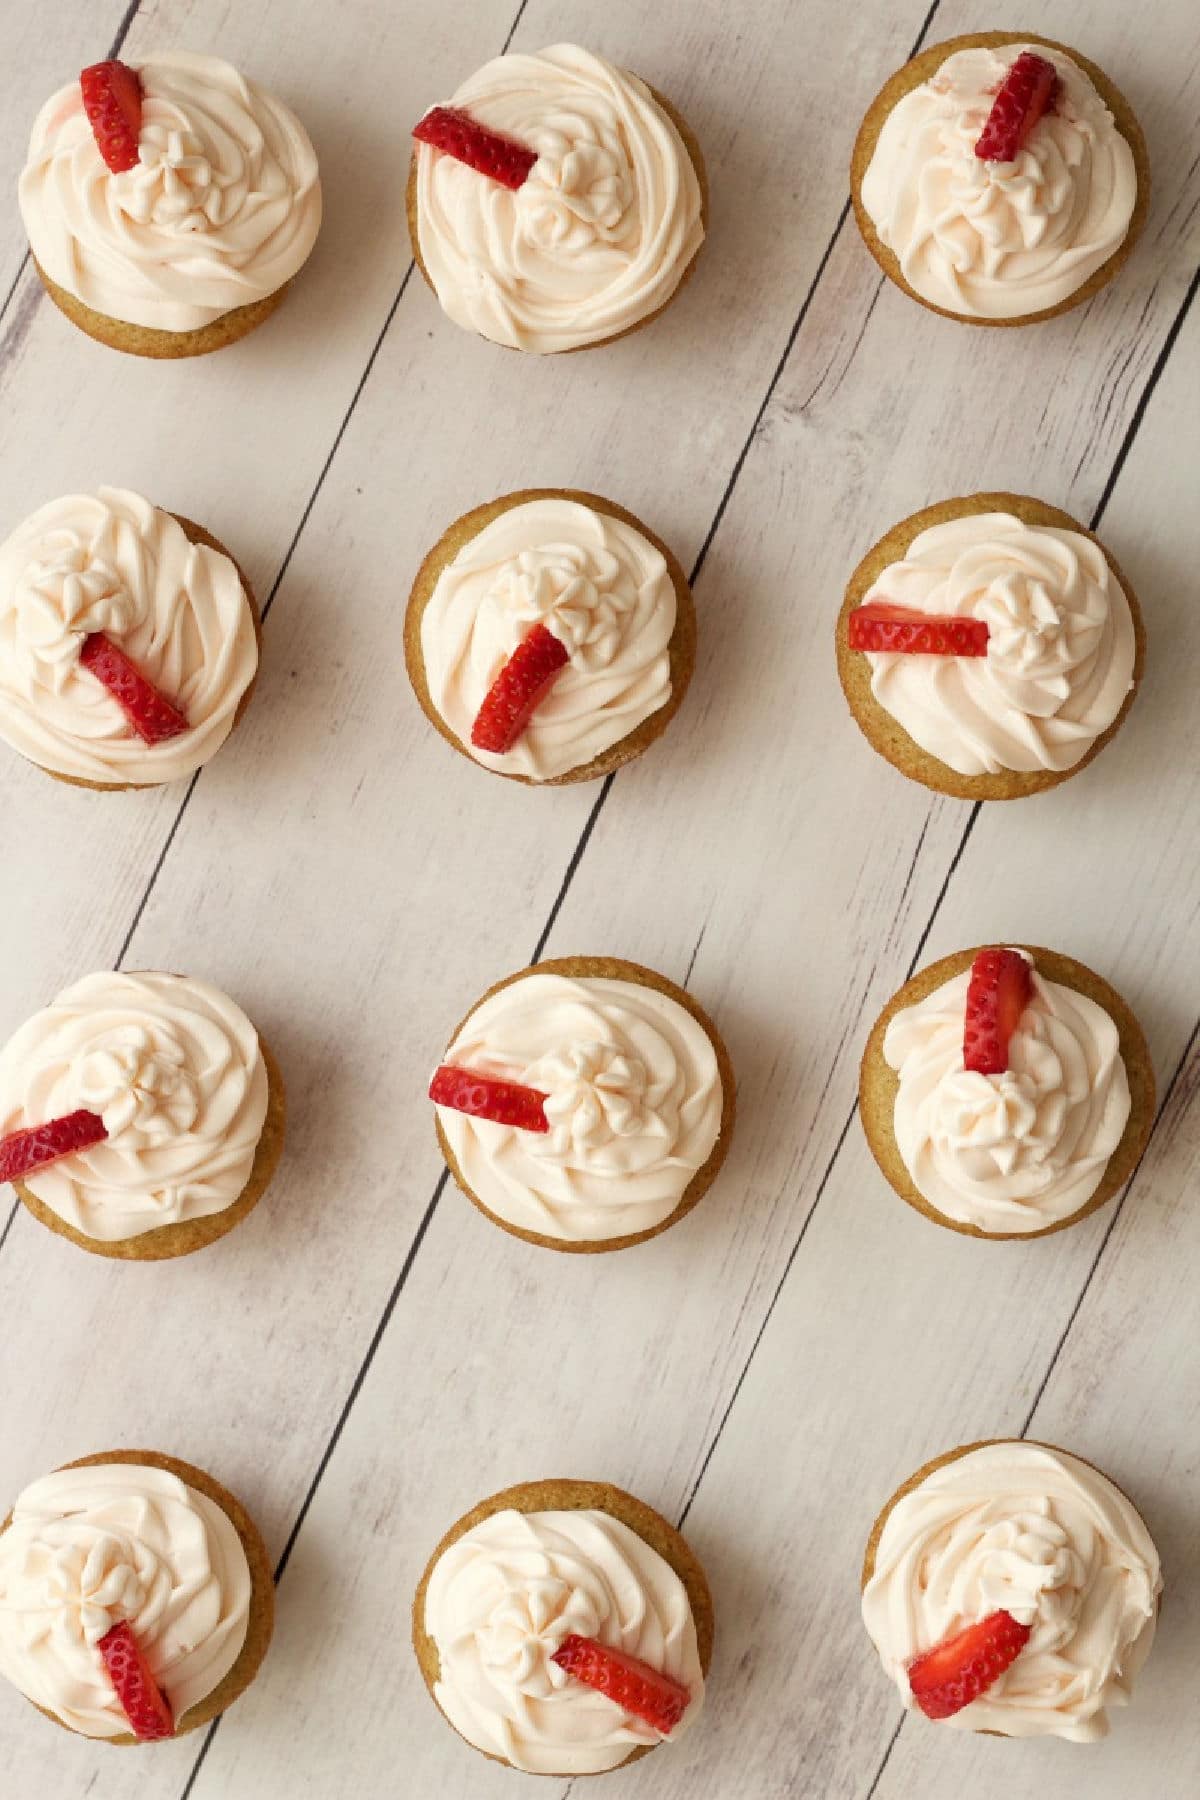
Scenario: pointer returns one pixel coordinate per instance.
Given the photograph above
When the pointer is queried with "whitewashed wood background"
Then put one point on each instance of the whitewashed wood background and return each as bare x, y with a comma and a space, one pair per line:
366, 1356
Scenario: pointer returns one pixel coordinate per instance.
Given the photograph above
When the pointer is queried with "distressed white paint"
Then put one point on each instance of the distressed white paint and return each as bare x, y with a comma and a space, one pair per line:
356, 886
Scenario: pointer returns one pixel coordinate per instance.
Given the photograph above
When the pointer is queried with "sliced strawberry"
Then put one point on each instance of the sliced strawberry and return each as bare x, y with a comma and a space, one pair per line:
150, 713
519, 690
112, 100
142, 1700
485, 1097
449, 129
632, 1685
1026, 93
957, 1671
21, 1152
998, 992
881, 625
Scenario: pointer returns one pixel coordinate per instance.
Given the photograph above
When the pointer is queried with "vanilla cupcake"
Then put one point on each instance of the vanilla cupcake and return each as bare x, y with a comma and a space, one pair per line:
550, 636
168, 205
1011, 1588
1000, 179
564, 1628
141, 1115
1007, 1093
136, 1598
585, 1104
989, 647
129, 641
555, 202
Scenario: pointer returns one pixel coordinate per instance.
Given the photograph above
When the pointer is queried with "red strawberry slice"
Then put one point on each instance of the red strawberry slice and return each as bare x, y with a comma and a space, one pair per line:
881, 625
998, 992
150, 713
519, 690
1027, 92
142, 1700
486, 1097
112, 100
21, 1152
632, 1685
957, 1671
456, 133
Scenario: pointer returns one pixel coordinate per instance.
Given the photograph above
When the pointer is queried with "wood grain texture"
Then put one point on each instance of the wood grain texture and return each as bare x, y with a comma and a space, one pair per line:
356, 886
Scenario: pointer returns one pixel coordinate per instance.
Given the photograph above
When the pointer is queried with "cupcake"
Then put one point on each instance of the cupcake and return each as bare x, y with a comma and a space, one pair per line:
141, 1115
1000, 179
989, 647
129, 641
1011, 1588
585, 1104
136, 1599
1007, 1093
555, 202
564, 1628
168, 205
550, 636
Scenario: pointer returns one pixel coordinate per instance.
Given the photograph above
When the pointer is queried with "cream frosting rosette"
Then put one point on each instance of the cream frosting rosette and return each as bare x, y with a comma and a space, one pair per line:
221, 209
89, 1548
999, 240
175, 1070
112, 562
1036, 1533
598, 585
501, 1599
1018, 1151
600, 234
1061, 645
634, 1103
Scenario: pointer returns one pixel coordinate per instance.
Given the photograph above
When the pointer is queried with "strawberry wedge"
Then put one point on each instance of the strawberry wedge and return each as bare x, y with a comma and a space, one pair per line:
880, 625
142, 1700
21, 1152
998, 992
149, 713
518, 690
485, 1097
112, 100
634, 1686
1026, 93
957, 1671
490, 153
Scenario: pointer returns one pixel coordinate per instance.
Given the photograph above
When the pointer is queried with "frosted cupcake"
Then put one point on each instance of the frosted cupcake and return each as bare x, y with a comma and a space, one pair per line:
555, 202
550, 636
169, 204
141, 1115
1000, 179
1007, 1093
129, 641
989, 647
1011, 1588
585, 1104
564, 1628
136, 1599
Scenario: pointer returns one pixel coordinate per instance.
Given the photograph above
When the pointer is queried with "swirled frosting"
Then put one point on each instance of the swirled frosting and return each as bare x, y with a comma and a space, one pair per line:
90, 1548
1061, 645
1018, 1151
220, 210
634, 1103
999, 240
175, 1071
1045, 1537
501, 1599
598, 585
599, 235
112, 562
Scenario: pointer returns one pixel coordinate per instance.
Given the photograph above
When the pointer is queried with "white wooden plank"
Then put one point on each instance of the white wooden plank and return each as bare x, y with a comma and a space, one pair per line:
83, 31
